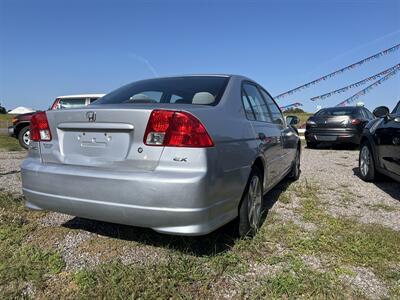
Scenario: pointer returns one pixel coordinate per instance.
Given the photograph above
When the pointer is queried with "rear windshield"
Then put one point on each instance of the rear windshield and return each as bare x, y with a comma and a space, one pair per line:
201, 90
337, 111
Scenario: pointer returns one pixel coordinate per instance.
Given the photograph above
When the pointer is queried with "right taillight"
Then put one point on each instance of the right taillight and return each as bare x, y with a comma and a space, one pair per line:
176, 129
39, 128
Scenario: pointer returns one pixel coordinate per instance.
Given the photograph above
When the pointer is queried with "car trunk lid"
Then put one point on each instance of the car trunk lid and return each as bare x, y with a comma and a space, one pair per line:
102, 137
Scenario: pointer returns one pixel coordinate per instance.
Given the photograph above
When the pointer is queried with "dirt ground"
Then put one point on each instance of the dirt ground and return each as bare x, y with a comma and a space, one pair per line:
299, 230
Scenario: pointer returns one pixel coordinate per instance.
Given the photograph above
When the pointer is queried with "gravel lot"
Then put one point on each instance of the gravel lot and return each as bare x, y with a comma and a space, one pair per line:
85, 243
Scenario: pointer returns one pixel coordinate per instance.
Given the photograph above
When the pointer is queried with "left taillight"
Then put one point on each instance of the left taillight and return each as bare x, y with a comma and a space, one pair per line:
39, 127
355, 121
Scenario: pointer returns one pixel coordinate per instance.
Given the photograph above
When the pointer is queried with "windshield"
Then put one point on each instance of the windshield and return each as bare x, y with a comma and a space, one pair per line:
396, 110
205, 90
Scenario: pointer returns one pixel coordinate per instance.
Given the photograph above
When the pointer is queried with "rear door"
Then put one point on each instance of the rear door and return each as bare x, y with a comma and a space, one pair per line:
267, 132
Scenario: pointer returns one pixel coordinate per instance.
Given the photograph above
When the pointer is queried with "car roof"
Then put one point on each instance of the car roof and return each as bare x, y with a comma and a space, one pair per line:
81, 96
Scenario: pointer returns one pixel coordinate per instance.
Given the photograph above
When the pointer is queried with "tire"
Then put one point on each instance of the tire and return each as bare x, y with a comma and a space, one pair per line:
366, 163
250, 210
295, 172
311, 145
23, 137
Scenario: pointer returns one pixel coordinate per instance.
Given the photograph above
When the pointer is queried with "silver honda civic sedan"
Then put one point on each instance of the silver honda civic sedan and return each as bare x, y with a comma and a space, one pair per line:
181, 155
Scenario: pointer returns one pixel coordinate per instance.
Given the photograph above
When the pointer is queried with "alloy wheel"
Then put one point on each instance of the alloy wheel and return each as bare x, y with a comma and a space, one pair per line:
365, 161
26, 138
254, 203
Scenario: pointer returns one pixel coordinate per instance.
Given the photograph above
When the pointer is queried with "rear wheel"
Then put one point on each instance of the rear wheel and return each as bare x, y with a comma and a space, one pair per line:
24, 137
250, 209
366, 163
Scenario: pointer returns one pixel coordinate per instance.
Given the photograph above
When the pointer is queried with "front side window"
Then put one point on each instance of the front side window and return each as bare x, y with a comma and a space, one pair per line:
199, 90
276, 113
256, 102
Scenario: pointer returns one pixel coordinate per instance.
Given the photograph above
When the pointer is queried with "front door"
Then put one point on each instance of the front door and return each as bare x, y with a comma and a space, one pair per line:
388, 139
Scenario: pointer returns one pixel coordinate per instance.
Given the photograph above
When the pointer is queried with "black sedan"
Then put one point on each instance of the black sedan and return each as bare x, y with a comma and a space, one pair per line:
337, 125
380, 145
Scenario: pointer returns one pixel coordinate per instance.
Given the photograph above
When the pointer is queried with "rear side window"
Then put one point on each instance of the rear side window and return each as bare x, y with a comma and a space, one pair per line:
199, 90
66, 103
256, 102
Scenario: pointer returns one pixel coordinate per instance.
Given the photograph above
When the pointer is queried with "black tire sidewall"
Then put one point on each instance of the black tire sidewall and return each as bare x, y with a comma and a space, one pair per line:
21, 137
371, 170
244, 228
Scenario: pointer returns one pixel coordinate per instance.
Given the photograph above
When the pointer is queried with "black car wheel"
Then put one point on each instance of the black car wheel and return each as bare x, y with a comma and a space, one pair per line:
250, 210
366, 163
24, 137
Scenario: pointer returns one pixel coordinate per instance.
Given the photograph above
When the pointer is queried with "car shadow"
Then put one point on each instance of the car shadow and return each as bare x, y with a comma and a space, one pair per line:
220, 240
386, 184
342, 146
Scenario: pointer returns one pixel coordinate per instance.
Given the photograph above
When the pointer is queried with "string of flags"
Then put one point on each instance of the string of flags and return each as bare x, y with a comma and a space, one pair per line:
349, 67
369, 88
286, 107
357, 84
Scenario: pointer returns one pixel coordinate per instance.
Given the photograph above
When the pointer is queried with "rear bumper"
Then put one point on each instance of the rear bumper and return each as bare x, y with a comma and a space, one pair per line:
336, 136
11, 131
168, 202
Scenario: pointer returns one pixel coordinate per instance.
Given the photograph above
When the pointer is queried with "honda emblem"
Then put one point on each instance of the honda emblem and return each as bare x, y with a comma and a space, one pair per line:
91, 116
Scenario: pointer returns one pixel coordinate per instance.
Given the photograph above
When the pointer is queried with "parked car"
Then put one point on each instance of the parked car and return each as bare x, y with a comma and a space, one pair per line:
182, 155
380, 145
20, 127
337, 125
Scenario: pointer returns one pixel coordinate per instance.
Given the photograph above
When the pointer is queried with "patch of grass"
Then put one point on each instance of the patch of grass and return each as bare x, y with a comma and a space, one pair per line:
351, 243
9, 143
285, 198
299, 281
179, 278
19, 262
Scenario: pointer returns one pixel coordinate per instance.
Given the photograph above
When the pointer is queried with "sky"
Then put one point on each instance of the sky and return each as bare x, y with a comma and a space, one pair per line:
50, 48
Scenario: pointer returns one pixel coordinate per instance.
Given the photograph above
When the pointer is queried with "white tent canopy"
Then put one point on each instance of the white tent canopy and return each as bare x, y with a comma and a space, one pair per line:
21, 110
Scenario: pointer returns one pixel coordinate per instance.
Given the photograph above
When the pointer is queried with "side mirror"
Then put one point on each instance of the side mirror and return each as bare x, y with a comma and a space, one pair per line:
381, 112
292, 120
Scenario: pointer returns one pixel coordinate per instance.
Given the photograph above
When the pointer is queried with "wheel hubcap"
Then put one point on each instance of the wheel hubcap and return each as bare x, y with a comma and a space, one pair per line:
365, 161
26, 138
254, 202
